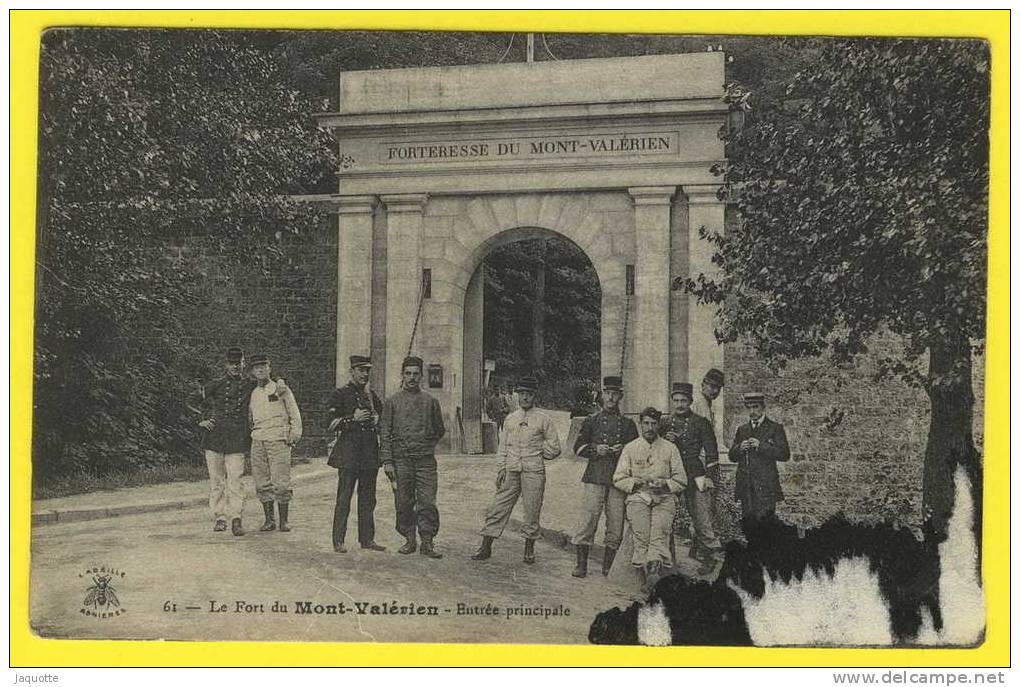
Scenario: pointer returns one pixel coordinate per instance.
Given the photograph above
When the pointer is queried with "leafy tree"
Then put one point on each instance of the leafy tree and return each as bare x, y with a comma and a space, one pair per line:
146, 135
861, 199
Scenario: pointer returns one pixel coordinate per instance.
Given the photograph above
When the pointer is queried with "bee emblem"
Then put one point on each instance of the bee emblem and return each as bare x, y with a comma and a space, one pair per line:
101, 594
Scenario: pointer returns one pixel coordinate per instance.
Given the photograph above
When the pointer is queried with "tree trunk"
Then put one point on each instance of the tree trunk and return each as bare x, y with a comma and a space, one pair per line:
950, 436
538, 313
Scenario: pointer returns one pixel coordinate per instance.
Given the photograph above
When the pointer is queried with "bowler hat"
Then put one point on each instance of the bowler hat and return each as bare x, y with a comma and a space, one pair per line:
714, 376
612, 383
361, 361
754, 397
526, 384
259, 359
412, 361
235, 355
685, 388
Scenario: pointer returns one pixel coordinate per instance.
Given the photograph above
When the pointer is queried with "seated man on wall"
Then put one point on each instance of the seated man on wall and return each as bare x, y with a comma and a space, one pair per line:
651, 472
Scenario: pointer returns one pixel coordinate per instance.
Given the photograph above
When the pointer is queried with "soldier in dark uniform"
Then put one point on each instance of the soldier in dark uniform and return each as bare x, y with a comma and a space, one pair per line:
758, 444
600, 441
694, 436
222, 406
355, 411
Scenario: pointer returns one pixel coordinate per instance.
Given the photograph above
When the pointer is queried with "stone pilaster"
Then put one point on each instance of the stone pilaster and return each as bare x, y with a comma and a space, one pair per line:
649, 361
703, 351
404, 226
354, 280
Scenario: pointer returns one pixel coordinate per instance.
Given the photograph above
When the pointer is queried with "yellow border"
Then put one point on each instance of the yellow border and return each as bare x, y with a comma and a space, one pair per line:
25, 28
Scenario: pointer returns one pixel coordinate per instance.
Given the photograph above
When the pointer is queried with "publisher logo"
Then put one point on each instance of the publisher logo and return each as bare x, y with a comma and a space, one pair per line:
101, 599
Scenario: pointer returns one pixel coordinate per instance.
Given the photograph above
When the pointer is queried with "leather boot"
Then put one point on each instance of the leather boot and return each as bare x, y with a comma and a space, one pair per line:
607, 560
270, 524
284, 511
220, 526
410, 546
428, 550
529, 551
581, 569
484, 551
235, 527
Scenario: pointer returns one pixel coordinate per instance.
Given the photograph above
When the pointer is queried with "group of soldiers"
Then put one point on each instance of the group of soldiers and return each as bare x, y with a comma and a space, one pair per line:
636, 474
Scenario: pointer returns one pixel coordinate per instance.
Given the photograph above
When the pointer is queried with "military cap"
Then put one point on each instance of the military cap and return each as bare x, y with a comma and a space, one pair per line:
754, 397
685, 388
235, 354
259, 359
612, 383
714, 376
526, 384
361, 361
412, 361
651, 412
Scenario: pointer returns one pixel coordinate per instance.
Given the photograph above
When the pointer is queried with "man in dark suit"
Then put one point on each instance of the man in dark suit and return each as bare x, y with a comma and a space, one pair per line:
756, 448
355, 411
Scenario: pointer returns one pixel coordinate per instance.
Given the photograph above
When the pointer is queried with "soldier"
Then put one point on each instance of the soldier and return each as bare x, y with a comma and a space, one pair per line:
600, 441
276, 427
704, 402
651, 472
758, 444
409, 429
222, 406
694, 437
355, 412
529, 439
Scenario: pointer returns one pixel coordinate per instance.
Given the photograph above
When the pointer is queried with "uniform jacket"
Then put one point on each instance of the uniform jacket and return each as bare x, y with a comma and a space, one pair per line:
646, 461
529, 439
225, 402
757, 486
411, 425
696, 442
274, 415
357, 444
603, 427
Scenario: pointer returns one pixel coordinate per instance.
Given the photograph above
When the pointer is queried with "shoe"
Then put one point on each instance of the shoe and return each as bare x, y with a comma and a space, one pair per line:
581, 569
270, 524
220, 526
372, 546
410, 546
235, 527
529, 551
484, 551
284, 511
607, 560
428, 550
339, 548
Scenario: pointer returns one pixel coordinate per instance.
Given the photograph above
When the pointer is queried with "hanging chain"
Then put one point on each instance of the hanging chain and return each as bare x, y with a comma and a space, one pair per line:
417, 316
626, 321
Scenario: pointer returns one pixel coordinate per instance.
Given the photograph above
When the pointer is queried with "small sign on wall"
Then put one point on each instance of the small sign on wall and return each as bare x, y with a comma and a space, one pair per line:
435, 376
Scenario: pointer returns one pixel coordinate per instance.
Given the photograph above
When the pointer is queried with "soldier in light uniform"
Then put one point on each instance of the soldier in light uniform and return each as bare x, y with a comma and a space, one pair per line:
600, 441
695, 439
275, 428
529, 439
651, 472
222, 406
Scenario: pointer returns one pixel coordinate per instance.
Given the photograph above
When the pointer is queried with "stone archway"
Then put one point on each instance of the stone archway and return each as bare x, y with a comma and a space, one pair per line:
614, 154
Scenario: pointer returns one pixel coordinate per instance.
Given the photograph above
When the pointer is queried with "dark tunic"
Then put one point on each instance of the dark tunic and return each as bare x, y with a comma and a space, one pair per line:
357, 444
603, 427
225, 402
411, 425
757, 486
694, 434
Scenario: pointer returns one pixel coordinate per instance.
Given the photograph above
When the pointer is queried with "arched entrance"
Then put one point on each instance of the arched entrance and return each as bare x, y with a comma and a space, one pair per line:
441, 164
481, 343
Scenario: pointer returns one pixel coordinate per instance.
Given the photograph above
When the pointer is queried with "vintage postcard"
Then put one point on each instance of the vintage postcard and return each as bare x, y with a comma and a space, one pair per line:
512, 338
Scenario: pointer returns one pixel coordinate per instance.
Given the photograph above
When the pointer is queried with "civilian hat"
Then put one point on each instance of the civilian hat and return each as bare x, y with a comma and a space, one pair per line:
754, 397
714, 376
526, 384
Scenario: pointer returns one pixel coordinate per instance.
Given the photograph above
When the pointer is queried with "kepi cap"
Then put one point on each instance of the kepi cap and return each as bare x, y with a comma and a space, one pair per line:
612, 383
412, 361
651, 412
361, 361
259, 359
685, 388
235, 355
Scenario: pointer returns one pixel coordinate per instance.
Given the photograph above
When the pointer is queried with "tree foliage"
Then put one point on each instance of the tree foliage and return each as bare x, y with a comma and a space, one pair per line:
146, 135
861, 199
